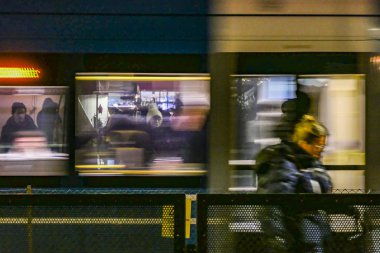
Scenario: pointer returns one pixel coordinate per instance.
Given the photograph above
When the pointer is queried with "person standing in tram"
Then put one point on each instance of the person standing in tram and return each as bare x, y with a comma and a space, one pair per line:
48, 119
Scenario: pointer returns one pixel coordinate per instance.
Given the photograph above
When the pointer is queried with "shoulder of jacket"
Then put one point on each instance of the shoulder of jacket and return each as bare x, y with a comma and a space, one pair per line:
280, 149
272, 153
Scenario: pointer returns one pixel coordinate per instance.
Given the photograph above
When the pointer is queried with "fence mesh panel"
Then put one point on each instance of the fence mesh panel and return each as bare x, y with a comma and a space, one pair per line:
254, 223
97, 227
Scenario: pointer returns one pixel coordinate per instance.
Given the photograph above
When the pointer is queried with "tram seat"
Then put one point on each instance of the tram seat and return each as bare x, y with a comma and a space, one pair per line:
132, 147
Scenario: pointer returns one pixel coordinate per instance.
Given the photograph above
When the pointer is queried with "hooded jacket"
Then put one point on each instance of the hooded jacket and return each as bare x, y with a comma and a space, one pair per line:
153, 111
12, 127
287, 168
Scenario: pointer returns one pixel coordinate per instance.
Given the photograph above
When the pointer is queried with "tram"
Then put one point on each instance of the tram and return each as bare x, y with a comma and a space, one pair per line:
267, 52
212, 74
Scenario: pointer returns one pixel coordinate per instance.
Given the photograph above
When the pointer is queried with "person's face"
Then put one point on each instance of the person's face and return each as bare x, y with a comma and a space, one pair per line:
155, 121
19, 115
316, 148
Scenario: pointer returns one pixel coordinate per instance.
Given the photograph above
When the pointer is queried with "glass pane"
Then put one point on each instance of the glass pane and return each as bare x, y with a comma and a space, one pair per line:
34, 130
129, 122
339, 102
256, 110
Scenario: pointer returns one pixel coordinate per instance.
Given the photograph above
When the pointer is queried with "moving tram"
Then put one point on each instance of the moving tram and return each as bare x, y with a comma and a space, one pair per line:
216, 95
107, 128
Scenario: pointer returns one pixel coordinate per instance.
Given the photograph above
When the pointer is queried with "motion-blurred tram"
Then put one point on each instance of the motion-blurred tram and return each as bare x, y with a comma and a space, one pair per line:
183, 95
103, 128
267, 52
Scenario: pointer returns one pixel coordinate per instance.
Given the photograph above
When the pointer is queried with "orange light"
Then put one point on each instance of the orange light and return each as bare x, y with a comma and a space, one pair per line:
8, 72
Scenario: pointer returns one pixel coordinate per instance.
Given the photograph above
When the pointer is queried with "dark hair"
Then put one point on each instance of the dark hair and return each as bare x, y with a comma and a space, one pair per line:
309, 129
49, 106
17, 105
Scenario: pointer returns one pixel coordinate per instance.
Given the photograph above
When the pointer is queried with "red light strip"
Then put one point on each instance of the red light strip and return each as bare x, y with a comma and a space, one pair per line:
7, 72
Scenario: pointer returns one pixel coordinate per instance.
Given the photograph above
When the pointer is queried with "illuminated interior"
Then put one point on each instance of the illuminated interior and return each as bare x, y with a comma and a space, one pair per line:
141, 124
38, 145
338, 101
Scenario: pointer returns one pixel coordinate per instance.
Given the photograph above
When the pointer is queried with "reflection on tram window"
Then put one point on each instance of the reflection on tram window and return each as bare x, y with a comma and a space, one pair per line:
257, 101
338, 101
33, 126
128, 123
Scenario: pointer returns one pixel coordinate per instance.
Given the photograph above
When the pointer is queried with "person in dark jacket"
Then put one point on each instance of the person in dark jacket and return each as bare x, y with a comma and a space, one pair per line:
19, 121
295, 167
48, 119
292, 112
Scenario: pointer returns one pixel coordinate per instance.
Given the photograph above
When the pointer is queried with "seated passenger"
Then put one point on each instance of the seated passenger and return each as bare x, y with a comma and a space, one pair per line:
19, 121
154, 116
158, 133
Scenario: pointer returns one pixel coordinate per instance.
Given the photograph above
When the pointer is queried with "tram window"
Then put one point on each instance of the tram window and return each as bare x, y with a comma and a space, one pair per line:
257, 101
129, 123
33, 131
338, 101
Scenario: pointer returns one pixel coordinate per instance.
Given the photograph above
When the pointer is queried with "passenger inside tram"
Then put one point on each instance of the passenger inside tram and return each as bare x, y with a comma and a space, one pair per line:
19, 121
147, 125
30, 149
49, 121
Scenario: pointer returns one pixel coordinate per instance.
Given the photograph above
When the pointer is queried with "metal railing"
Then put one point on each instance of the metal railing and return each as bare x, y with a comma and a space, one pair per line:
157, 222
